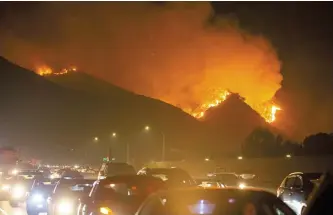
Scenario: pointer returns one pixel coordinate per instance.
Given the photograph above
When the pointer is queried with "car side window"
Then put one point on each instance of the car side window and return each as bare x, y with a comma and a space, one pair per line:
281, 209
153, 207
290, 182
298, 182
276, 207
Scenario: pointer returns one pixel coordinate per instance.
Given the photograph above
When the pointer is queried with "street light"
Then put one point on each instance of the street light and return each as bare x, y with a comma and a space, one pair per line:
207, 159
288, 156
96, 139
114, 134
240, 158
147, 128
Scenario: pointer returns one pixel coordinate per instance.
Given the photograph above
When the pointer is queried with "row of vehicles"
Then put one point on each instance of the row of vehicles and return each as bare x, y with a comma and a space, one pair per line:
121, 190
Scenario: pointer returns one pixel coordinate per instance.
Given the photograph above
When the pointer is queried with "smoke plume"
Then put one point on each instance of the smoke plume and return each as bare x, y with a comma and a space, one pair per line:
175, 52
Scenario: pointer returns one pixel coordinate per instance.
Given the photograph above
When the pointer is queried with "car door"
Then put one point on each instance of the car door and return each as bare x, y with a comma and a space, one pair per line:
297, 195
274, 206
286, 191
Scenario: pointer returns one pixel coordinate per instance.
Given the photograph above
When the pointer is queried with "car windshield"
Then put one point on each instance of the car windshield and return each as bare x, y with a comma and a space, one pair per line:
74, 186
29, 174
172, 175
227, 178
71, 173
206, 202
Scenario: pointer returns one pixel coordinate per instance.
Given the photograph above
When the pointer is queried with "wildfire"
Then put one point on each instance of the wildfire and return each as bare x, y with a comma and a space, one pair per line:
47, 71
273, 112
267, 110
44, 70
221, 97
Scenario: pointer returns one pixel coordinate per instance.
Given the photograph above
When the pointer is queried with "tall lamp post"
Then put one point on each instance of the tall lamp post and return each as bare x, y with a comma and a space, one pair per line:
147, 128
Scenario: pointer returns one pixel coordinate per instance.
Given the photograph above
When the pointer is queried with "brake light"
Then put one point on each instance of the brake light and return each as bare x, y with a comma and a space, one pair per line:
105, 210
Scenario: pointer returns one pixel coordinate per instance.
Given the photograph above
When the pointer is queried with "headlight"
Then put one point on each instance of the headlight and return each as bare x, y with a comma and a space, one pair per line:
18, 191
105, 210
5, 187
14, 172
37, 198
65, 207
242, 185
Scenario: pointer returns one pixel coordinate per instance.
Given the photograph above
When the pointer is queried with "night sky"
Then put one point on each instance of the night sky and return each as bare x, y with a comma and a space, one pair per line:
301, 33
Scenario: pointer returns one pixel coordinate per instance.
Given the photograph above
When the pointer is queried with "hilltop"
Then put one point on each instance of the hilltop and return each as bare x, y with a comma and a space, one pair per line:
70, 110
233, 120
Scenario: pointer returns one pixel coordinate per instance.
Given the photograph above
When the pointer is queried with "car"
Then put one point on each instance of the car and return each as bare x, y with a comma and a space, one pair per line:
213, 201
21, 185
296, 188
36, 203
5, 185
174, 177
45, 172
121, 194
229, 179
70, 174
110, 169
209, 183
320, 200
65, 197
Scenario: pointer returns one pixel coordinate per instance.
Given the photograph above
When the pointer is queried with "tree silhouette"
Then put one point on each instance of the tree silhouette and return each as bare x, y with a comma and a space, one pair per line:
262, 143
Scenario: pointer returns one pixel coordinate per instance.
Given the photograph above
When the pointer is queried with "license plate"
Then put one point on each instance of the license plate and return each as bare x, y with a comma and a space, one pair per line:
42, 213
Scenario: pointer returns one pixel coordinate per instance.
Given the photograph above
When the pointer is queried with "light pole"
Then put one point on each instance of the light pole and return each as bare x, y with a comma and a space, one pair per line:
163, 146
113, 136
147, 128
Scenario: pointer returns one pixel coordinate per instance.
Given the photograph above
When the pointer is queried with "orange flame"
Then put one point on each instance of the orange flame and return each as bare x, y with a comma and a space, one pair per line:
266, 110
221, 97
44, 70
47, 71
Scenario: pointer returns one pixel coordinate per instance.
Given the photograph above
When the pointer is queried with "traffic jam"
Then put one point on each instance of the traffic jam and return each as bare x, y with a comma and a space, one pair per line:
117, 188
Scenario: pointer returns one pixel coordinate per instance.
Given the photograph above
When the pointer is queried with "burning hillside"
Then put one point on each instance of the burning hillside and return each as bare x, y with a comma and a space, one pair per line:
266, 111
47, 71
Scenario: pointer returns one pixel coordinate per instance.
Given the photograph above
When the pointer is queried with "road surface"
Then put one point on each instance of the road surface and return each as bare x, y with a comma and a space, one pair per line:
6, 209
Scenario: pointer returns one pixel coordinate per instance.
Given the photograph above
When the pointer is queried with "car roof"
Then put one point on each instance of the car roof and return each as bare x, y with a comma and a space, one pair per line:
249, 192
166, 169
127, 178
118, 163
305, 173
76, 181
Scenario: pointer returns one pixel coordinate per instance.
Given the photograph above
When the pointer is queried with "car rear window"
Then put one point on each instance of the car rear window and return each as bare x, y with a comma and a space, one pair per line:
128, 187
120, 169
173, 176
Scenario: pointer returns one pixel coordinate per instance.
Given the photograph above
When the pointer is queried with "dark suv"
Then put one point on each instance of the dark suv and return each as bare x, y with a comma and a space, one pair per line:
296, 188
173, 177
110, 169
